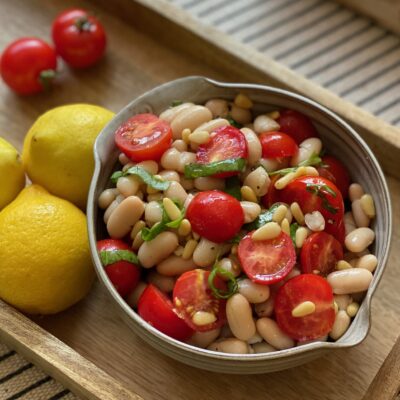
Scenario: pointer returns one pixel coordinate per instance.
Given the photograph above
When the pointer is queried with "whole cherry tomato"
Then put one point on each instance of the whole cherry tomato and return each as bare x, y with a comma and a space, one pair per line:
297, 125
28, 65
79, 38
277, 145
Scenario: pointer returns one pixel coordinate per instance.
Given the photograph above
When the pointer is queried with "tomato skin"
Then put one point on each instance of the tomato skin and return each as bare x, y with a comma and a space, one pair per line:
336, 172
296, 125
305, 287
215, 215
79, 38
157, 309
277, 145
225, 143
123, 274
296, 191
23, 63
267, 261
320, 251
144, 137
192, 293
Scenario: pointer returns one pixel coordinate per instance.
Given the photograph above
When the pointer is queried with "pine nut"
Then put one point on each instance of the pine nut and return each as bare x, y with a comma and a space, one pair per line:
315, 221
272, 334
171, 209
343, 300
204, 339
240, 318
137, 228
273, 114
264, 123
189, 249
248, 194
218, 107
359, 239
368, 261
268, 231
342, 264
184, 228
279, 213
201, 318
311, 171
303, 309
336, 307
300, 237
123, 159
250, 210
241, 115
199, 137
348, 281
352, 309
285, 226
230, 345
368, 206
281, 183
356, 191
254, 292
243, 101
107, 197
359, 215
137, 242
340, 326
185, 135
297, 213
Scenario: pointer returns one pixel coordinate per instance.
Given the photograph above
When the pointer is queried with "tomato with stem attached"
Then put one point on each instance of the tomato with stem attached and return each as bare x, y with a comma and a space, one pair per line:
277, 145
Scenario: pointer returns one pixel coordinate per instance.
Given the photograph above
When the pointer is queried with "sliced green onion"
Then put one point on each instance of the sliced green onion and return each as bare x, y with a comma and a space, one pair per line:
108, 257
198, 170
232, 283
232, 187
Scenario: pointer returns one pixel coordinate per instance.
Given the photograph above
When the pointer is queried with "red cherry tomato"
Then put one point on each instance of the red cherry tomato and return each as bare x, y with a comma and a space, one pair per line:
225, 143
305, 287
297, 125
28, 65
79, 38
192, 294
215, 215
124, 275
314, 193
272, 195
277, 145
267, 261
144, 137
336, 172
320, 252
157, 309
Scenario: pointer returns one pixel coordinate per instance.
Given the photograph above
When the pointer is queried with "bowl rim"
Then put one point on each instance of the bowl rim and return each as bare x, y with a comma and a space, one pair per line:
200, 352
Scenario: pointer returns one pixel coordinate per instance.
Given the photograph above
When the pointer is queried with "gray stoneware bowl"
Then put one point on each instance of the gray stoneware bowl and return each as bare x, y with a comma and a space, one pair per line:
341, 140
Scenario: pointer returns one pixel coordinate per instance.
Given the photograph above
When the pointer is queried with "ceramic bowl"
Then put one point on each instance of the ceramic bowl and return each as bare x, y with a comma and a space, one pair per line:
341, 140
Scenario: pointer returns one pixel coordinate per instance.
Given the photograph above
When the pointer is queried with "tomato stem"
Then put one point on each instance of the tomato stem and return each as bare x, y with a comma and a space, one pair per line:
46, 78
83, 24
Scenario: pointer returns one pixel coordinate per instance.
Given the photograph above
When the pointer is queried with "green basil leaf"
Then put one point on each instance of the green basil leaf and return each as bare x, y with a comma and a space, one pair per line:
262, 219
176, 103
217, 167
293, 229
233, 122
112, 256
232, 187
314, 159
145, 176
115, 176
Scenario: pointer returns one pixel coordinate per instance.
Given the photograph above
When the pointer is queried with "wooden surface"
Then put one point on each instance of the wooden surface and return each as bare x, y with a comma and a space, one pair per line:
134, 64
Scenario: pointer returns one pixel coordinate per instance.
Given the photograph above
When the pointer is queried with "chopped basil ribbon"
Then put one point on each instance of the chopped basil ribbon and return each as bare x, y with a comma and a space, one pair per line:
108, 257
198, 170
232, 187
293, 229
233, 122
145, 176
262, 219
150, 233
176, 103
237, 238
314, 159
232, 283
317, 190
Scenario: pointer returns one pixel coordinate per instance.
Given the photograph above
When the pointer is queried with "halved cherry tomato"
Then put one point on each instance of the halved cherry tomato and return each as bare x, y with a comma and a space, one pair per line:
314, 193
336, 172
157, 309
225, 143
267, 261
144, 137
192, 294
215, 215
320, 252
277, 145
297, 125
305, 287
124, 275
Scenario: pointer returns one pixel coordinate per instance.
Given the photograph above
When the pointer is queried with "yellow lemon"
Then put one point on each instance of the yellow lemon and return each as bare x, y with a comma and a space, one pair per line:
12, 176
45, 263
58, 149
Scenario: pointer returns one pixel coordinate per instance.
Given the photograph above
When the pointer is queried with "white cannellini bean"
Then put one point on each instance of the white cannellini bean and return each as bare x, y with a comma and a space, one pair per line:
254, 148
253, 292
185, 158
174, 265
171, 159
263, 347
349, 281
203, 339
241, 115
128, 185
164, 283
349, 223
230, 264
355, 191
149, 165
209, 183
206, 252
230, 345
340, 326
153, 213
368, 261
359, 239
218, 107
107, 197
169, 175
211, 126
240, 318
269, 164
251, 211
259, 181
124, 159
343, 300
315, 221
190, 118
361, 219
266, 308
124, 217
263, 123
170, 113
153, 252
175, 191
133, 297
180, 145
307, 148
273, 335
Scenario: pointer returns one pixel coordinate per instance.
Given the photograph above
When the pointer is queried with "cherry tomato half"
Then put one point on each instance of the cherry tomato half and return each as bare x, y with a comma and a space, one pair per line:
297, 125
79, 38
215, 215
192, 294
124, 275
277, 145
225, 143
144, 137
336, 172
28, 65
157, 309
314, 193
320, 252
305, 287
267, 261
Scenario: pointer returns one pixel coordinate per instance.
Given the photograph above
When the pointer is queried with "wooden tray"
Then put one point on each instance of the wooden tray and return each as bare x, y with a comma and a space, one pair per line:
87, 347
